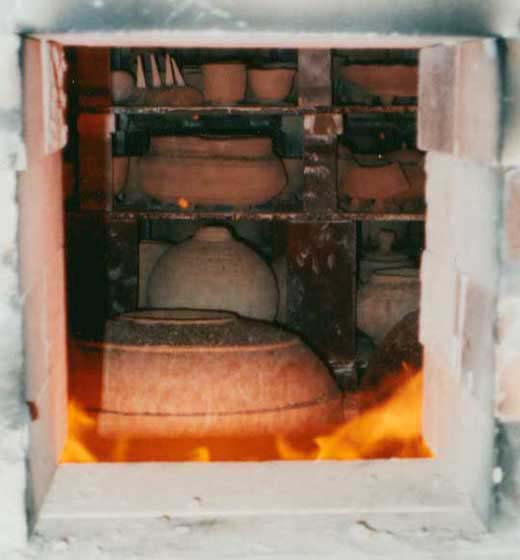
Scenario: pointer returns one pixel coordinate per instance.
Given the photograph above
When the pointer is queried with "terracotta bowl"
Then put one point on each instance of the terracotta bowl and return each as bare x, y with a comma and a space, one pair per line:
179, 373
217, 171
224, 82
271, 84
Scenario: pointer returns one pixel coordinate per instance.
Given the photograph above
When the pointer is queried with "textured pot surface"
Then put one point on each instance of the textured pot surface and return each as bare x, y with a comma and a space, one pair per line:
235, 172
182, 373
224, 82
175, 96
212, 146
388, 80
270, 84
378, 182
387, 297
214, 271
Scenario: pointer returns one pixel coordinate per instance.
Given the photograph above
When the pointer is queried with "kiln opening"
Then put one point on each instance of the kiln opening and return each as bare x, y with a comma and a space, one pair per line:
334, 263
244, 229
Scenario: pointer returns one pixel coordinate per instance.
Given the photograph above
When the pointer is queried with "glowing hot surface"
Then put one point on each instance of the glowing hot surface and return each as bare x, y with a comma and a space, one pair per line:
388, 424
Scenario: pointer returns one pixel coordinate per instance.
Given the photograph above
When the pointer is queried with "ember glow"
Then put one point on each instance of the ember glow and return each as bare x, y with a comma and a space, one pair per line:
387, 425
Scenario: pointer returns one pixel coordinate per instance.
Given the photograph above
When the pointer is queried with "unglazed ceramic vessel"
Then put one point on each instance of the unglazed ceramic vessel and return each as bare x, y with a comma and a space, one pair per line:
214, 271
224, 82
388, 296
383, 257
123, 85
179, 373
371, 183
385, 81
239, 171
270, 84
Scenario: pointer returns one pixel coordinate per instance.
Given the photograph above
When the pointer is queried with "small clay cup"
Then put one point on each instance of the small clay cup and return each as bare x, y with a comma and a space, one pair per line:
224, 82
270, 84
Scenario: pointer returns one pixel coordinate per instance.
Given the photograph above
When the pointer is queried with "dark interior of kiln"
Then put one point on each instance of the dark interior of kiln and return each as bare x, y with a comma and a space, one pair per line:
243, 233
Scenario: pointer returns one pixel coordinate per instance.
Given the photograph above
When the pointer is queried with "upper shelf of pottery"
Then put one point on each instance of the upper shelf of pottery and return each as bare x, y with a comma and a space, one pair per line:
222, 81
222, 132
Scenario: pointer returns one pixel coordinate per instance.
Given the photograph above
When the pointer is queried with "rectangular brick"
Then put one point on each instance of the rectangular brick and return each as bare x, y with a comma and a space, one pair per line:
478, 100
511, 218
460, 96
436, 98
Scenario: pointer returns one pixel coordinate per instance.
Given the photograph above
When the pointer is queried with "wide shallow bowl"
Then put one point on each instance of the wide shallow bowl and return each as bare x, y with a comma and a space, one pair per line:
215, 171
184, 373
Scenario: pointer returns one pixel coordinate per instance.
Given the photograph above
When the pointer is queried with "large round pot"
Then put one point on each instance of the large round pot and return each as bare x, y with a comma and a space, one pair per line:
214, 271
270, 84
224, 82
179, 373
388, 296
218, 171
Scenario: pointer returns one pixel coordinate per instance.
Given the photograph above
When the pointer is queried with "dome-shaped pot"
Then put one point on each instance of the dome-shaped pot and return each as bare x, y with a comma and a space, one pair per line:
240, 171
214, 271
388, 296
179, 373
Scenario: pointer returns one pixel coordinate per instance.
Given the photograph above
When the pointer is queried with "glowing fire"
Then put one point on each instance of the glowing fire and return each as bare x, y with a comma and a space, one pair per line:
388, 425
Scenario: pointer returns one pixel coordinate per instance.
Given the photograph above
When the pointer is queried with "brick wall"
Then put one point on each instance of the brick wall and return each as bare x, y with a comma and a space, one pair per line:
42, 282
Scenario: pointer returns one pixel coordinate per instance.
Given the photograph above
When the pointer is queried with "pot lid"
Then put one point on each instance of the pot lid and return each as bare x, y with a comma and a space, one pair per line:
213, 234
386, 257
191, 328
398, 275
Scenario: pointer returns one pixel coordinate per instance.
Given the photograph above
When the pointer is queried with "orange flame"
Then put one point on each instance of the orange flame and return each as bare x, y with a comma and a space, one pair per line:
388, 424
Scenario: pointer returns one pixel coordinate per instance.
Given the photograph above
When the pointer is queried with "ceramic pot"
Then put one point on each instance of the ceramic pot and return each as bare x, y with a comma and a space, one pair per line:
123, 85
214, 271
383, 257
214, 171
371, 183
270, 84
211, 146
224, 82
149, 254
176, 96
180, 373
388, 296
385, 81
